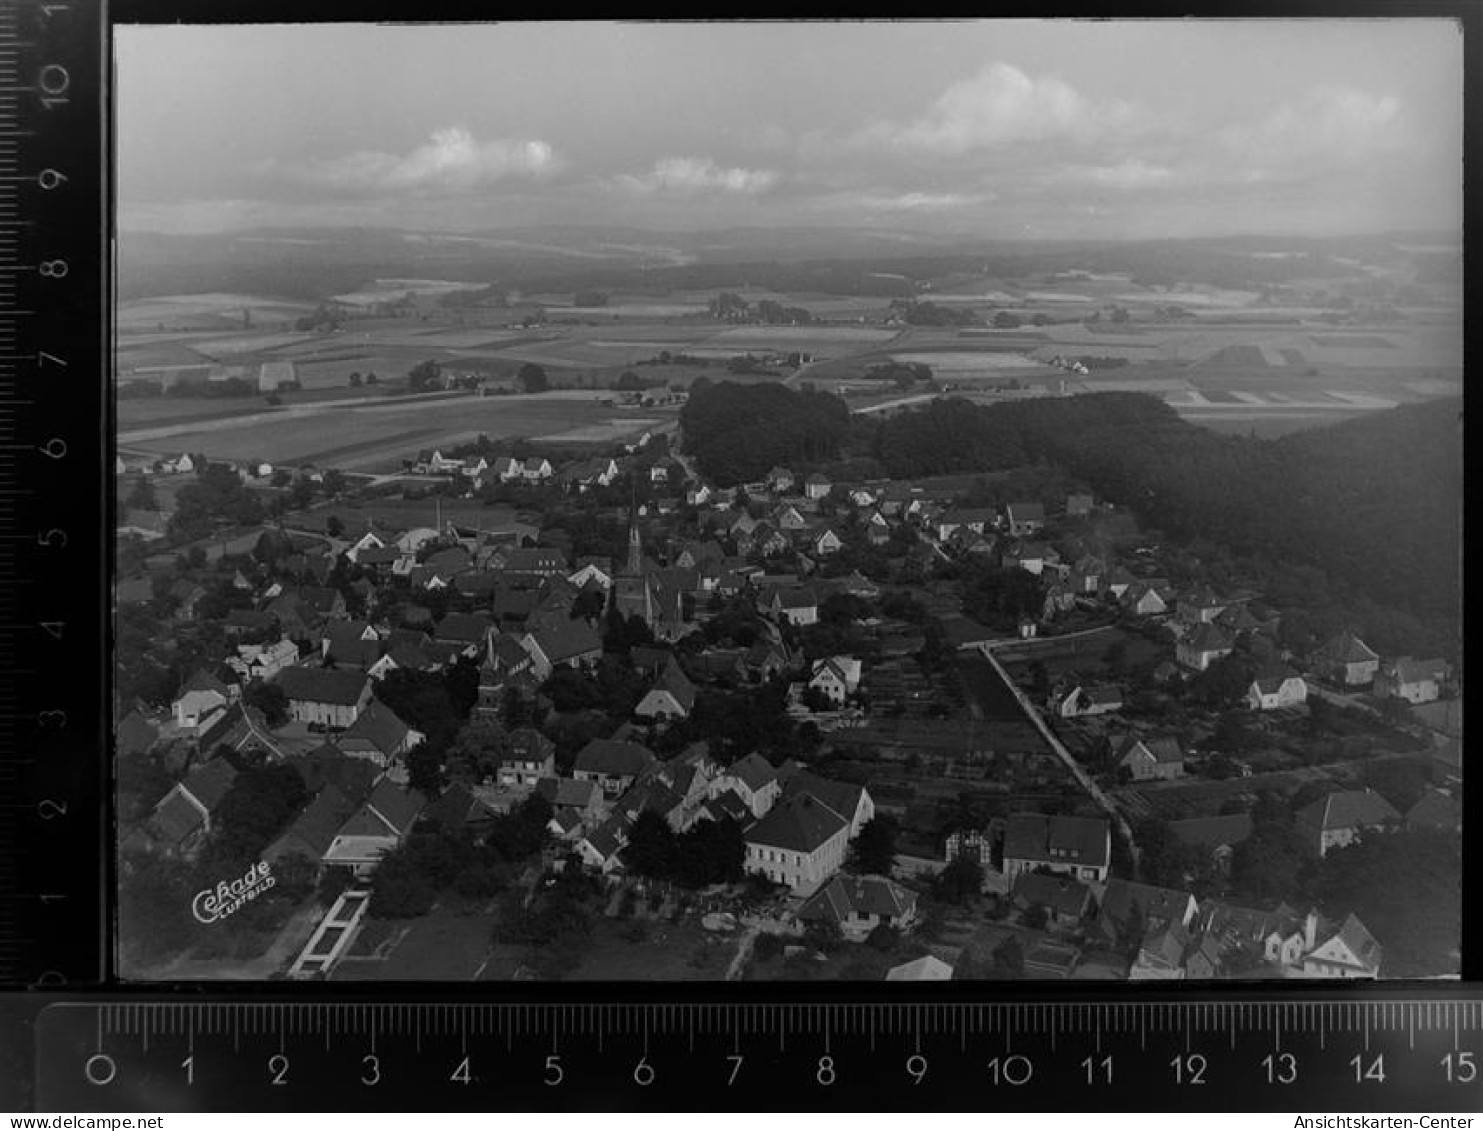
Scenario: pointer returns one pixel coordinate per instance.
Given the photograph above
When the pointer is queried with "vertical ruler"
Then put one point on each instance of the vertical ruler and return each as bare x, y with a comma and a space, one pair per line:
54, 429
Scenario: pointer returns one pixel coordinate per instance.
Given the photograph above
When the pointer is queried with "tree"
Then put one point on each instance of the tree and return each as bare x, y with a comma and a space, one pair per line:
355, 380
270, 699
142, 495
651, 847
1009, 959
399, 890
475, 753
874, 851
1036, 917
628, 381
532, 378
960, 881
333, 526
1004, 320
258, 806
424, 375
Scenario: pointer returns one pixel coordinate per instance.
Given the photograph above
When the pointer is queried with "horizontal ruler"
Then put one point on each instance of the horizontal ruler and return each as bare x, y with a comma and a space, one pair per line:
1268, 1051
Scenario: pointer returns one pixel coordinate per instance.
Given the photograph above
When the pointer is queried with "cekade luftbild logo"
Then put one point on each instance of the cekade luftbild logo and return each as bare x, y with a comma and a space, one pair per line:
219, 902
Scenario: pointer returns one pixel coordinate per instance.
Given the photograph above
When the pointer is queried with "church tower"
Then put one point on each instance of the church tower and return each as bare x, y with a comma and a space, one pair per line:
635, 564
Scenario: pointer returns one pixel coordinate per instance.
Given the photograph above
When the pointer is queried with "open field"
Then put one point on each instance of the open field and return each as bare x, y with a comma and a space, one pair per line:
377, 435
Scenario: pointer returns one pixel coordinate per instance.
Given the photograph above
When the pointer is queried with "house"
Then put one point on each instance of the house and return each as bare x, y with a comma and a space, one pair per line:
779, 480
1118, 581
325, 697
599, 847
860, 904
380, 824
461, 810
1349, 951
1085, 700
350, 644
582, 799
183, 816
1142, 601
1152, 759
613, 765
1341, 817
378, 736
528, 757
561, 642
593, 571
825, 541
671, 697
1161, 954
1201, 606
928, 968
1079, 847
1024, 518
753, 779
1415, 681
263, 661
1215, 836
790, 518
198, 698
838, 677
848, 798
800, 843
1201, 647
313, 830
1276, 689
239, 728
1065, 900
1347, 660
798, 605
817, 486
1125, 903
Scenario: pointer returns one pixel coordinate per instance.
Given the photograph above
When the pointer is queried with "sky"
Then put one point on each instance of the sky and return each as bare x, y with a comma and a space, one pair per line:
1037, 129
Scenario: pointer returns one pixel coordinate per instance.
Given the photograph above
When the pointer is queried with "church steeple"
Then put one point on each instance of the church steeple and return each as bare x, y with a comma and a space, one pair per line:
635, 547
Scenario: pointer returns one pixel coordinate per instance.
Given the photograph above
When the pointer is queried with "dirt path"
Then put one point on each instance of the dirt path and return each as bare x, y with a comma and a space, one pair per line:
743, 952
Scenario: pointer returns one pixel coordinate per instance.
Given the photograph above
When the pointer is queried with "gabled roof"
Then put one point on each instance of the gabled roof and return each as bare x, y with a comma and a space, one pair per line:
1079, 840
754, 771
462, 628
209, 782
677, 684
202, 680
613, 758
563, 792
322, 685
1348, 809
1407, 670
1207, 637
841, 796
390, 810
314, 829
924, 969
799, 823
1346, 648
1360, 942
1270, 680
378, 727
1026, 512
567, 638
1156, 903
1164, 748
1062, 895
865, 896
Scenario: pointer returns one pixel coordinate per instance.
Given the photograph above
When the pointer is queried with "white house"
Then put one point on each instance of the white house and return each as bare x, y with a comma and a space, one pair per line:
837, 677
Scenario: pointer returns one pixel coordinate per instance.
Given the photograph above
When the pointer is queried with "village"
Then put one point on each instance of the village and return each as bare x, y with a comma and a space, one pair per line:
552, 713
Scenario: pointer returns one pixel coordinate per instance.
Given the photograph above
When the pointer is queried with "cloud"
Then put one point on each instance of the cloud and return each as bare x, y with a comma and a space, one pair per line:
451, 160
923, 201
1002, 105
1324, 127
1129, 175
696, 175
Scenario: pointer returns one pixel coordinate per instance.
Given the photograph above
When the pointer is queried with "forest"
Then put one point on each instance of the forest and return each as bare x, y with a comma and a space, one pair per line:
738, 433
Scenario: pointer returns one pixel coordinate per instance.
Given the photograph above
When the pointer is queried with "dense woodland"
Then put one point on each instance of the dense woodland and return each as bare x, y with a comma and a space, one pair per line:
1370, 509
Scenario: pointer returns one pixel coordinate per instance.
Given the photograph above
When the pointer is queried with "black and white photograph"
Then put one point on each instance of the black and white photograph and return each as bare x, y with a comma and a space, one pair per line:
802, 502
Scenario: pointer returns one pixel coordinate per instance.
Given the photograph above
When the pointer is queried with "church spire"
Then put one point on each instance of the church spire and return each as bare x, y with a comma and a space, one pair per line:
635, 546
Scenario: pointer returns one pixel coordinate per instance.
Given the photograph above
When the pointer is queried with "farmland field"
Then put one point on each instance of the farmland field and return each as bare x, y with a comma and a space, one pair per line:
380, 434
956, 362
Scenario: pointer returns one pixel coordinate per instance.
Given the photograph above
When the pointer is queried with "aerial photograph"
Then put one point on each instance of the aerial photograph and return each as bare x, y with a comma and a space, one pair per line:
788, 501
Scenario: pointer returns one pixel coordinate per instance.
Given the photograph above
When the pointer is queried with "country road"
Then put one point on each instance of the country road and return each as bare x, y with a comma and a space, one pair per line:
1083, 778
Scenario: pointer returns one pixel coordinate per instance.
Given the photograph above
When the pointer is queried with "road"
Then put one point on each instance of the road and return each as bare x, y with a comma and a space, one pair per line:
1077, 771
